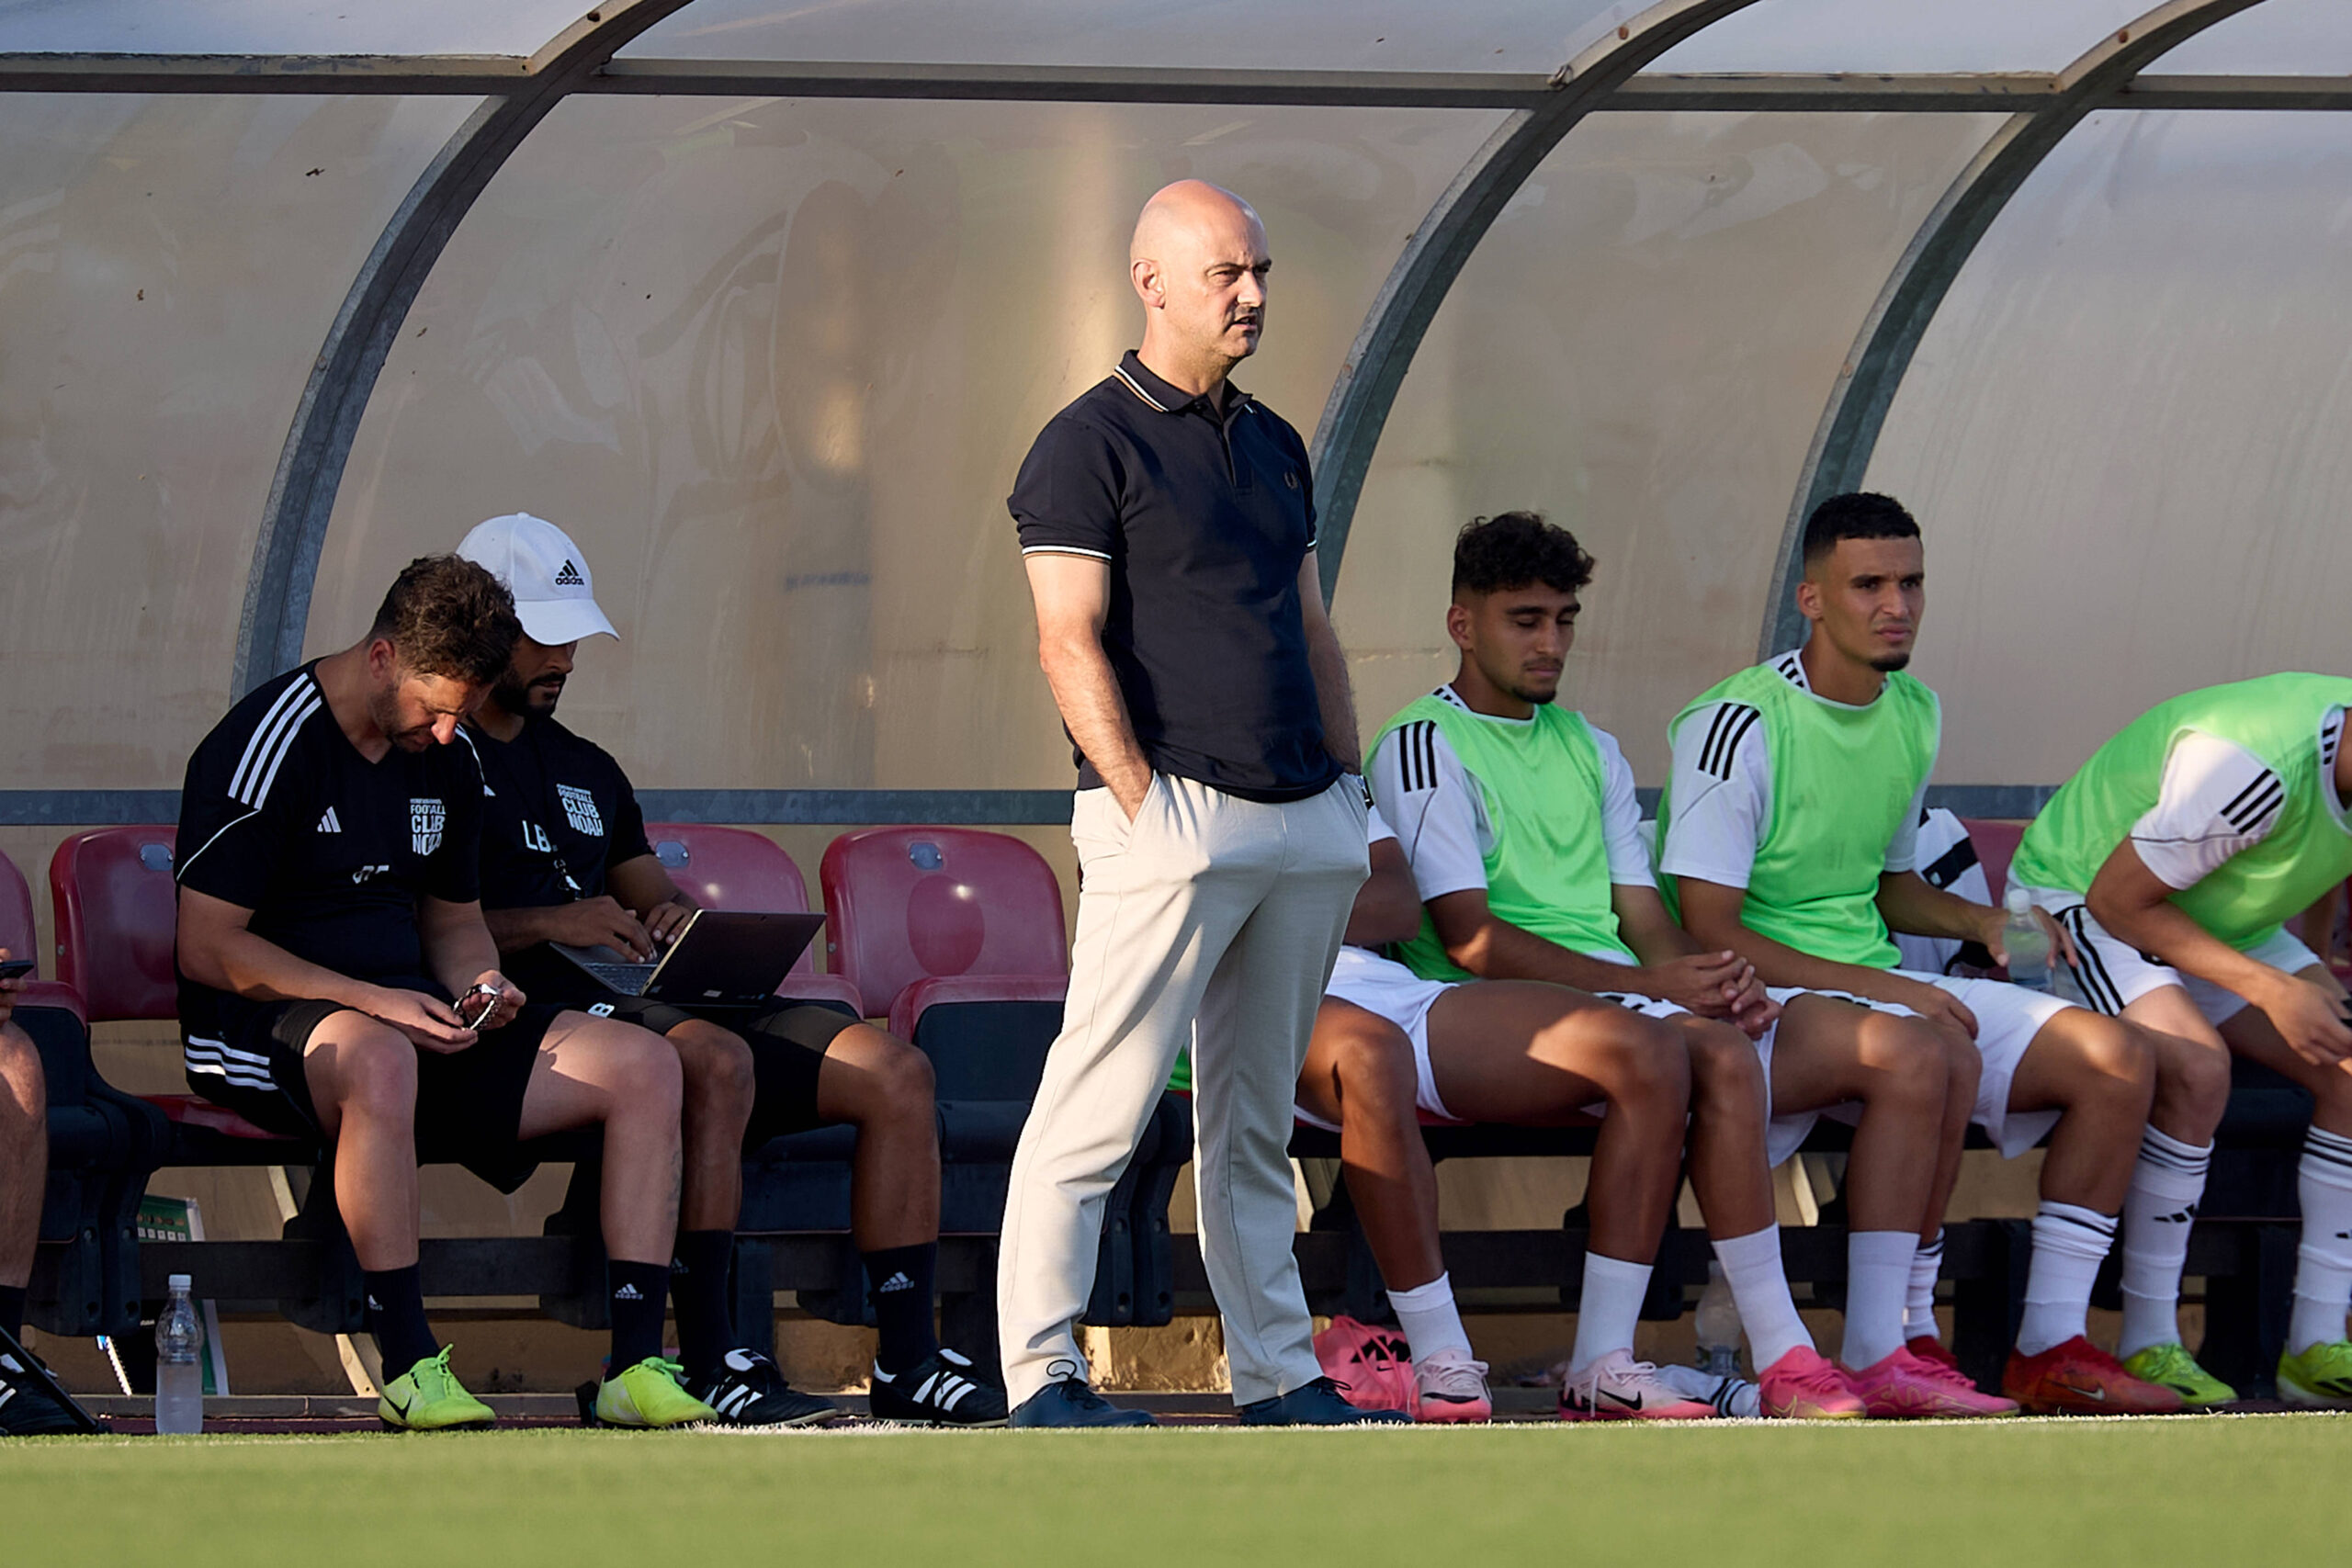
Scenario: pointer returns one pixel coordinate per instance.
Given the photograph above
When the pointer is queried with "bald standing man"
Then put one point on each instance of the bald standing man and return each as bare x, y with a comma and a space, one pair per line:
1166, 522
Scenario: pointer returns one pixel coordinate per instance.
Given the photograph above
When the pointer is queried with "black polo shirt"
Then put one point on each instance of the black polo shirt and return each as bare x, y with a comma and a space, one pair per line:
1206, 519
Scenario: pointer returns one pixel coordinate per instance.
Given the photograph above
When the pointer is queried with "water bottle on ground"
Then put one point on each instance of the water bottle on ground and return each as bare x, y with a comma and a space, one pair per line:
179, 1363
2027, 942
1718, 1326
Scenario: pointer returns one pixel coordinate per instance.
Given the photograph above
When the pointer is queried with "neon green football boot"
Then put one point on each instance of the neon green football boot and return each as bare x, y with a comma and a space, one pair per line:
2172, 1367
428, 1398
649, 1394
2321, 1377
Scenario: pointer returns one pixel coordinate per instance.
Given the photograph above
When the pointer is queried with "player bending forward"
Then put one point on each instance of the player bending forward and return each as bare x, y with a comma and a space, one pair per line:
2171, 858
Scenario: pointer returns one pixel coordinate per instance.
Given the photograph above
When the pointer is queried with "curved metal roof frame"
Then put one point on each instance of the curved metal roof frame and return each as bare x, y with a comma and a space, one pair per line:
310, 469
1908, 300
520, 92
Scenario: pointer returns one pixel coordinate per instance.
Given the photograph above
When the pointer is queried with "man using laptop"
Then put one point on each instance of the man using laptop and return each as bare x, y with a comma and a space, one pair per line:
565, 860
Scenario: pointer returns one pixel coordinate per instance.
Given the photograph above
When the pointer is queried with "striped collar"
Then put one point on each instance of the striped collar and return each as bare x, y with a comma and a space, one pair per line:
1452, 699
1166, 398
1790, 668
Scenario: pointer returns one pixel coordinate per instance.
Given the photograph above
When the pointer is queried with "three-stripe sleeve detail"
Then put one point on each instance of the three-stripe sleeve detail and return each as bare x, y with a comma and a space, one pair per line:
1725, 732
2256, 804
273, 738
1417, 755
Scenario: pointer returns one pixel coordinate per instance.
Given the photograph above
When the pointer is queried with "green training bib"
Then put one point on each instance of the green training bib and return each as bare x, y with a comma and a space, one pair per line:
1542, 785
2275, 718
1843, 780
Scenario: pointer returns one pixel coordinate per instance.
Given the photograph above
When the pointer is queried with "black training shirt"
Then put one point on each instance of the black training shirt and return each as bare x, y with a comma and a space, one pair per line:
280, 814
559, 813
1205, 520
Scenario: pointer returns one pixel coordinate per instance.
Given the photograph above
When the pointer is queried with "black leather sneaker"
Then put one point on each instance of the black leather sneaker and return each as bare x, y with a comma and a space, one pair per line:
1316, 1403
1068, 1401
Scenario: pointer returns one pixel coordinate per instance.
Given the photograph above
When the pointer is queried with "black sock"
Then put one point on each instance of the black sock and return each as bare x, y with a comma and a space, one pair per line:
699, 1287
396, 1317
12, 1311
900, 1279
641, 1299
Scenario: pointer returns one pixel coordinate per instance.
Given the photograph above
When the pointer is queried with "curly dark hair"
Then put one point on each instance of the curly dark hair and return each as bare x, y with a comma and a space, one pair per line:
1512, 549
447, 616
1862, 514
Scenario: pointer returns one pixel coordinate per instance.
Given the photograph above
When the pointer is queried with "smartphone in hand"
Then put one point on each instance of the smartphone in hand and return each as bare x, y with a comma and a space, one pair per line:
15, 968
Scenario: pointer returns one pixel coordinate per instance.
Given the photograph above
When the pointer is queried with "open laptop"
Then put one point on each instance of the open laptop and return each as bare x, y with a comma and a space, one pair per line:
721, 958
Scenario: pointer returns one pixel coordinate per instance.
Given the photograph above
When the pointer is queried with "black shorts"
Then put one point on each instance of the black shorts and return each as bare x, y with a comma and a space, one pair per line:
469, 1103
789, 1041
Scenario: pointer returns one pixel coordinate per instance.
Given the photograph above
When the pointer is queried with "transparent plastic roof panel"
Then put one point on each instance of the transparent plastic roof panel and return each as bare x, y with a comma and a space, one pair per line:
2277, 38
282, 27
1903, 36
1531, 36
168, 268
774, 366
2123, 434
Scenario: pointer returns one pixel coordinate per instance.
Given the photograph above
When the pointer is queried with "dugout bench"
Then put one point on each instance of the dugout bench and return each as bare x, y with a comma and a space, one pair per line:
957, 938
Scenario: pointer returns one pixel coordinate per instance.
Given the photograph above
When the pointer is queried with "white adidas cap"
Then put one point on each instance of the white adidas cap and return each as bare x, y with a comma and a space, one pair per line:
545, 571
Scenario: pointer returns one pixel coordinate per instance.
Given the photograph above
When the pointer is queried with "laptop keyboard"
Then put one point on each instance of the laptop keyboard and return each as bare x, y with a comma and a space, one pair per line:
628, 979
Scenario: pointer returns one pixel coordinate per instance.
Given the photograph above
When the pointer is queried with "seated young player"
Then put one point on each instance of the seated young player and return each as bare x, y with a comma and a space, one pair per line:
565, 858
1390, 1046
329, 935
2171, 857
1788, 833
27, 1409
1518, 818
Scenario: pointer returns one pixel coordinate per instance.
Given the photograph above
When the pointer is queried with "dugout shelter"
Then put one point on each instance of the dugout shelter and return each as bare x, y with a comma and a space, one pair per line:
764, 300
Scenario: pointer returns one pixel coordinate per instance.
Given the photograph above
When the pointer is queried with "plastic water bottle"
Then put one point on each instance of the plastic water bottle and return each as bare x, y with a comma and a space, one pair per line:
1718, 1326
2027, 942
179, 1366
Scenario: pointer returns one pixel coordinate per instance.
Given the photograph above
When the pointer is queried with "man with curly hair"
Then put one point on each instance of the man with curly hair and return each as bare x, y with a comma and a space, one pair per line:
336, 981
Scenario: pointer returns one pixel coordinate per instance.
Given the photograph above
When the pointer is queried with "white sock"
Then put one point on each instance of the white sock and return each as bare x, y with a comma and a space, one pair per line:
1919, 1300
2323, 1262
1760, 1287
1878, 1274
1427, 1315
2158, 1216
1607, 1308
2069, 1244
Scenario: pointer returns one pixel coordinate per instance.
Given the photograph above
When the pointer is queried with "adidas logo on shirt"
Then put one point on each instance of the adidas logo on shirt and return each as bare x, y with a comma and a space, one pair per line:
329, 823
568, 576
897, 1281
627, 1293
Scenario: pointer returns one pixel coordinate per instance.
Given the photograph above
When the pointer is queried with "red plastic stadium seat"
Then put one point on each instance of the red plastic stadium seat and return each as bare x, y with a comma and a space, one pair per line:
734, 868
116, 911
189, 1110
1995, 842
936, 990
910, 903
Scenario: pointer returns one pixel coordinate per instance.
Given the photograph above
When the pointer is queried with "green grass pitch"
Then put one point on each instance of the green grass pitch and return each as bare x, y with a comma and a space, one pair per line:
2217, 1489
